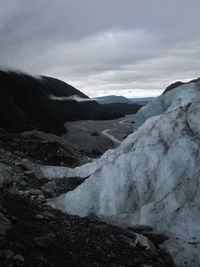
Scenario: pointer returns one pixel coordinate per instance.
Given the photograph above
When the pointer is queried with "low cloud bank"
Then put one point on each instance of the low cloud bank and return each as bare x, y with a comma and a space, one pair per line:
71, 98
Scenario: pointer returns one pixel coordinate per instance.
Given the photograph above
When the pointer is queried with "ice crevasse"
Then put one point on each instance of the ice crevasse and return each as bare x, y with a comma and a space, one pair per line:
153, 176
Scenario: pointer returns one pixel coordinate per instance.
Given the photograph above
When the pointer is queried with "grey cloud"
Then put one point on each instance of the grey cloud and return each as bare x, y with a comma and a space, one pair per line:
103, 46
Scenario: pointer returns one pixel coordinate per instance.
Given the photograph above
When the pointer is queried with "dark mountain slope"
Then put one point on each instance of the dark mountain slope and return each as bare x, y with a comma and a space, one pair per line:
117, 110
11, 116
56, 87
25, 104
178, 83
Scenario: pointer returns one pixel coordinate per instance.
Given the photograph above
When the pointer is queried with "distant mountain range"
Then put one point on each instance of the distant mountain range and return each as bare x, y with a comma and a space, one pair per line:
142, 100
110, 99
25, 104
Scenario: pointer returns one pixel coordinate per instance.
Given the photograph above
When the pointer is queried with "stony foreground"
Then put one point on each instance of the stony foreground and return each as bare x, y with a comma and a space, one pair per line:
41, 236
33, 234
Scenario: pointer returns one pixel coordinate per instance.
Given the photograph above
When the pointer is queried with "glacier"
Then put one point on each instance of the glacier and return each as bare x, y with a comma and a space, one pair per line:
152, 178
160, 104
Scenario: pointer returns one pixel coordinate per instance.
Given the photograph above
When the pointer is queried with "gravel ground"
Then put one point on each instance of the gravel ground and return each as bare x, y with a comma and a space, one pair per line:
41, 236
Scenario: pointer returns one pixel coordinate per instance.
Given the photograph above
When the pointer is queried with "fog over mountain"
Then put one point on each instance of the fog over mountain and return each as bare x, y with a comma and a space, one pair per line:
116, 47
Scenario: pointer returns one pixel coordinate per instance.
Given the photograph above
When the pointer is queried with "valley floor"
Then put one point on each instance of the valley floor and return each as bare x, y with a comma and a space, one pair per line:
91, 135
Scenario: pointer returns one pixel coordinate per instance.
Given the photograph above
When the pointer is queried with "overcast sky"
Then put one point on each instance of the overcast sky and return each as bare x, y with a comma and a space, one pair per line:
102, 47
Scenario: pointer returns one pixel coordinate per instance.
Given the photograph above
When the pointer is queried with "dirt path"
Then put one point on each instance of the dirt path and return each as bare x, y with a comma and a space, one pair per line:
111, 137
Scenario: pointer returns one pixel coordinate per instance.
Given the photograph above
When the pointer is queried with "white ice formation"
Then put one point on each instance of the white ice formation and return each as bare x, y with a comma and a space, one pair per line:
153, 177
160, 104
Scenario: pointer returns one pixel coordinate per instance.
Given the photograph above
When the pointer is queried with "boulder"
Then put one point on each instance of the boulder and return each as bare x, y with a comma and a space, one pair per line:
49, 189
4, 225
155, 237
5, 174
46, 241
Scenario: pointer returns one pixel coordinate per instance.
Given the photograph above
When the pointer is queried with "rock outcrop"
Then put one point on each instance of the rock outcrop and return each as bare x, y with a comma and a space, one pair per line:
5, 176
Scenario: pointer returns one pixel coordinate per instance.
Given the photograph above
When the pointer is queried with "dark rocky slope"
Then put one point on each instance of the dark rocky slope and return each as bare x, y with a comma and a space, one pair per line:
40, 150
41, 236
33, 234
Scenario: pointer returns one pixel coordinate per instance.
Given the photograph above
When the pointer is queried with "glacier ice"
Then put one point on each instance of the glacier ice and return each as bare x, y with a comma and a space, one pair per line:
160, 104
154, 175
